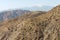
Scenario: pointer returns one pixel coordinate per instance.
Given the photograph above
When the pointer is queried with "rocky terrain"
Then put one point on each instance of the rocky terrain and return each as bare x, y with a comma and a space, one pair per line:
33, 26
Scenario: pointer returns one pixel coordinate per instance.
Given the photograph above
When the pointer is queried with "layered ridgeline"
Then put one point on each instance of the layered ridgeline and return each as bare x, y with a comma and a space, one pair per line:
34, 26
5, 15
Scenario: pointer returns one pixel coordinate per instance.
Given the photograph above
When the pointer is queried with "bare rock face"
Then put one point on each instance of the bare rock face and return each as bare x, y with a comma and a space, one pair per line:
33, 27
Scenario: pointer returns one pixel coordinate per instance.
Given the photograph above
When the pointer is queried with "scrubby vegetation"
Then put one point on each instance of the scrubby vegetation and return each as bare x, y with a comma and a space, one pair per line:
33, 26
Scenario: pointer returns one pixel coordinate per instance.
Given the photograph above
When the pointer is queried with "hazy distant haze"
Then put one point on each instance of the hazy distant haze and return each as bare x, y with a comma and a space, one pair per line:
16, 4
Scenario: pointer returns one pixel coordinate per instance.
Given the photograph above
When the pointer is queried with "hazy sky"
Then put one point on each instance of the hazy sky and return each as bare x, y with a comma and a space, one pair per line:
12, 4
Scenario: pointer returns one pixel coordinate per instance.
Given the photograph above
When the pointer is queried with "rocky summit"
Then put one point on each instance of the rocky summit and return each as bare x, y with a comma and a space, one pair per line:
33, 26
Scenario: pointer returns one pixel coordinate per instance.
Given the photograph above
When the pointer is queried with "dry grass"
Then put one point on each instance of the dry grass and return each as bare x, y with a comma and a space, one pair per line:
34, 26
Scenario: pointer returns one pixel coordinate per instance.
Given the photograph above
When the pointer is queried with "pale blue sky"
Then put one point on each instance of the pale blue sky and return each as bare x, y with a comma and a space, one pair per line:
12, 4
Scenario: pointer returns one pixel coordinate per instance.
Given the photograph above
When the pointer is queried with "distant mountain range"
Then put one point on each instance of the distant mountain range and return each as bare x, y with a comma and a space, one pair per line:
5, 15
9, 14
38, 8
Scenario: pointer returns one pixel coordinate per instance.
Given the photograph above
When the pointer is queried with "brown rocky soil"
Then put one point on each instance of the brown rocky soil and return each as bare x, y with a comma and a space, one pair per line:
34, 26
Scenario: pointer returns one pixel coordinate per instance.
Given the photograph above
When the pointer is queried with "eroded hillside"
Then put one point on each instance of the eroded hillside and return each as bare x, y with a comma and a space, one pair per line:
34, 26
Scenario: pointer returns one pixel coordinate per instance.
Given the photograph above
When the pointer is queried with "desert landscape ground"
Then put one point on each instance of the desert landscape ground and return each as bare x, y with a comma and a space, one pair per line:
32, 25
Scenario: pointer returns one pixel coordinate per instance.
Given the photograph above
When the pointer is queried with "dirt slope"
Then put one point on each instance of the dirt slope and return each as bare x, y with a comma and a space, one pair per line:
38, 27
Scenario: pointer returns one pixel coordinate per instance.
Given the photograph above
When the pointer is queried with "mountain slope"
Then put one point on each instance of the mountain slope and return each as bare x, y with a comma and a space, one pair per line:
12, 27
52, 29
44, 26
